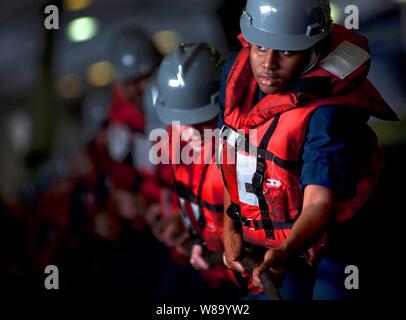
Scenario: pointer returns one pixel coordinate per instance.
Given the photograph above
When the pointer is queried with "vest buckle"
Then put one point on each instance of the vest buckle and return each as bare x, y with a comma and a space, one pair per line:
248, 222
257, 180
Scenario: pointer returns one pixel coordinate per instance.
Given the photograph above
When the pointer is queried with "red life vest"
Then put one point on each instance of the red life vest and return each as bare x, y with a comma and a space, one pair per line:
132, 170
261, 170
122, 111
199, 188
125, 118
200, 191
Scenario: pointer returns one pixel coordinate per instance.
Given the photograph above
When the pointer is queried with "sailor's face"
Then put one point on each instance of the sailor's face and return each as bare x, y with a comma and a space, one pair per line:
275, 69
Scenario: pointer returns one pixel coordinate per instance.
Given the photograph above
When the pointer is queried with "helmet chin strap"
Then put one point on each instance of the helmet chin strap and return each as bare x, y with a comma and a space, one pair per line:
314, 58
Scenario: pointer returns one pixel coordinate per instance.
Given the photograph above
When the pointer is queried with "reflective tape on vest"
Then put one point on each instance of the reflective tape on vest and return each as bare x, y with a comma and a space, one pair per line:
239, 142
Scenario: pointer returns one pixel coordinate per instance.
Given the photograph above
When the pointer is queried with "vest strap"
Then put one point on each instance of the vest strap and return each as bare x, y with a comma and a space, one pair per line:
196, 224
184, 192
233, 212
239, 142
258, 180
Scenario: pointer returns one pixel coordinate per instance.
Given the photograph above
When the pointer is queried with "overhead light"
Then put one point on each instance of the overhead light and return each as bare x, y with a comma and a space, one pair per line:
76, 5
166, 41
100, 74
82, 29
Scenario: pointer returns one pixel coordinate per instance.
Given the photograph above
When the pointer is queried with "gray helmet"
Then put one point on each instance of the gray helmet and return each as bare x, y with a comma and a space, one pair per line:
292, 25
188, 85
150, 97
134, 54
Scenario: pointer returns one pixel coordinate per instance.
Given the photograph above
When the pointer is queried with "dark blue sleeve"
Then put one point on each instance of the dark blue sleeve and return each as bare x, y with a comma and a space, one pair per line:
326, 154
223, 82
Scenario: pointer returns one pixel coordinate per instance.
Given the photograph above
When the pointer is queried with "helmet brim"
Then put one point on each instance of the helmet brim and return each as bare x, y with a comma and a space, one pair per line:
169, 114
276, 41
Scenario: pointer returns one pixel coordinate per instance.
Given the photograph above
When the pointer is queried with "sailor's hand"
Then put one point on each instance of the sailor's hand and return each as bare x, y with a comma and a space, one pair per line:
233, 249
168, 230
197, 260
153, 214
275, 263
